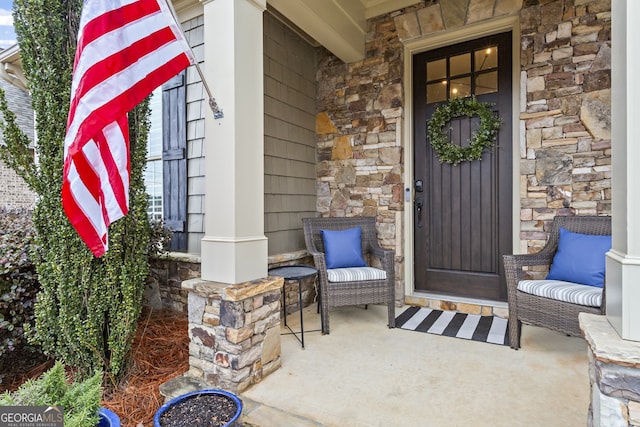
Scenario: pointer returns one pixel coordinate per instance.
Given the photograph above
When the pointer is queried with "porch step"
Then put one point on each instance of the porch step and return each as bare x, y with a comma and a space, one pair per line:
254, 414
180, 385
468, 306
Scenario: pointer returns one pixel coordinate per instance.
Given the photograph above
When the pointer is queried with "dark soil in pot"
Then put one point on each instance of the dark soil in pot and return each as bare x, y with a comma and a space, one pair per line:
204, 410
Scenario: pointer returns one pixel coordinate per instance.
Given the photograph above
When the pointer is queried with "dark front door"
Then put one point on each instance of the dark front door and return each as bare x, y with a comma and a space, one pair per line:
463, 213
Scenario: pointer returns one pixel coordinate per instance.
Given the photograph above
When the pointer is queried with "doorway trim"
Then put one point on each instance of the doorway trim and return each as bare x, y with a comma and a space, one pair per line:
434, 41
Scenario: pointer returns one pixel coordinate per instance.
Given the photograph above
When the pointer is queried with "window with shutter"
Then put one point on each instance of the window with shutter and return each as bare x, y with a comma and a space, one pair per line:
174, 160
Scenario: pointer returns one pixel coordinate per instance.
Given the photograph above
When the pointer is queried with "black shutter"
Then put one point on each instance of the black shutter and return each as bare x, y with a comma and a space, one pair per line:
174, 159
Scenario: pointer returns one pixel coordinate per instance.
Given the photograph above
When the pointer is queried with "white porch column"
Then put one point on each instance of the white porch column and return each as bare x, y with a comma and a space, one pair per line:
234, 249
623, 261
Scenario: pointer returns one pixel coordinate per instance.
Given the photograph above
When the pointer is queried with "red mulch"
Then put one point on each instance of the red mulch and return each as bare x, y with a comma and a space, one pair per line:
160, 351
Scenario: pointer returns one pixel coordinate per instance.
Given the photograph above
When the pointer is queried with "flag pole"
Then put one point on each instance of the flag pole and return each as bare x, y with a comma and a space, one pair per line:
217, 111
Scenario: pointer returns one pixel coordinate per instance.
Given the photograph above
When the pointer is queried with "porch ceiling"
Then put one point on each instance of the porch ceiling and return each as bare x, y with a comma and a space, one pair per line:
338, 25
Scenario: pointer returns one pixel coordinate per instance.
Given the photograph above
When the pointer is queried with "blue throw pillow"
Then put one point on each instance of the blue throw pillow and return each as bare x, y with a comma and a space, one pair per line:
343, 248
580, 258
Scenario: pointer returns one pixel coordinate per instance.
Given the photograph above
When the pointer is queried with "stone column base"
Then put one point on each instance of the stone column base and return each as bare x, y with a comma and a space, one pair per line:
234, 331
614, 373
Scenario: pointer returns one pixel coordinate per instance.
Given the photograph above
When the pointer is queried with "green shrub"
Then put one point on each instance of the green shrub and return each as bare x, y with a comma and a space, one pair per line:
87, 310
18, 279
160, 238
80, 400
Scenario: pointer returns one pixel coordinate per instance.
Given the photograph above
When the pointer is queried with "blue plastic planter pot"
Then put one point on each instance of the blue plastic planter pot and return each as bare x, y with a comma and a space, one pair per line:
108, 418
176, 400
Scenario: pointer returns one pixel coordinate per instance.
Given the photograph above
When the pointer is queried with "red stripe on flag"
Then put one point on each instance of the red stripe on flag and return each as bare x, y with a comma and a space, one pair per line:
89, 177
142, 52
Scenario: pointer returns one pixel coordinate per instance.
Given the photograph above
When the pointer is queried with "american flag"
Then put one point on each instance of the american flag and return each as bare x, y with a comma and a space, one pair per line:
126, 48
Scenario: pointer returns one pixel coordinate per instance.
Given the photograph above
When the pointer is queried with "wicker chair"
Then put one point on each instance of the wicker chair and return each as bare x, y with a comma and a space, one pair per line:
557, 315
336, 294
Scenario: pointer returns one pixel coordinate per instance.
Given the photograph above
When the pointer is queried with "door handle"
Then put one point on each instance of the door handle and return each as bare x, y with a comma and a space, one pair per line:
419, 204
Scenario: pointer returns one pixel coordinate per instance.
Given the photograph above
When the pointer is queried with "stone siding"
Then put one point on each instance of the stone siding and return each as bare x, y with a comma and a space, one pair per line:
358, 125
565, 145
564, 139
164, 284
309, 285
167, 272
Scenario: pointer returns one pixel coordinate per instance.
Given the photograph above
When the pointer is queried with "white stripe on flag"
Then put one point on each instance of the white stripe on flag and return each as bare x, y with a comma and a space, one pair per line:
443, 321
497, 331
417, 318
468, 327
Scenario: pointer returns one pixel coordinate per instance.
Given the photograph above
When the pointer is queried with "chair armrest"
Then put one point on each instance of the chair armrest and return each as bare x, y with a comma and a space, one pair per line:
386, 256
513, 264
319, 260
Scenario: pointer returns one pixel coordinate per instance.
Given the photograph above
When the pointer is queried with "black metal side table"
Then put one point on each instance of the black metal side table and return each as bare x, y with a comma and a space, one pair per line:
294, 273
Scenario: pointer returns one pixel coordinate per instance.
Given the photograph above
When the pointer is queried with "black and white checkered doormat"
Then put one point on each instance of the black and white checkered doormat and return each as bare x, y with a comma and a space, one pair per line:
489, 329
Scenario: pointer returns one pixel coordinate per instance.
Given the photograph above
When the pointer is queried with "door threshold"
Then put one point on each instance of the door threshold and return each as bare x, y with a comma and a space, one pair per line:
457, 303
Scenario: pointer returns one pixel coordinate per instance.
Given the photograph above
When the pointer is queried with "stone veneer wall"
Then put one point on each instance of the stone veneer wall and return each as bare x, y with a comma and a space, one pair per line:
614, 374
309, 285
358, 130
564, 141
565, 149
167, 272
164, 284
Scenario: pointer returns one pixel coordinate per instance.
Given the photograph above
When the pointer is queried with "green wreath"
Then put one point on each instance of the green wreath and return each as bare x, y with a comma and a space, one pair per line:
484, 137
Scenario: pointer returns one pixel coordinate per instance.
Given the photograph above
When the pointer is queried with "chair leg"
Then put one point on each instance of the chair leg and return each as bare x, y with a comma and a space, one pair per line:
324, 317
391, 308
515, 329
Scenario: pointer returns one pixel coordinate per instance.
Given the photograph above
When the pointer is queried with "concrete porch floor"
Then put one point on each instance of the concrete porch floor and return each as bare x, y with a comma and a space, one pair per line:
364, 374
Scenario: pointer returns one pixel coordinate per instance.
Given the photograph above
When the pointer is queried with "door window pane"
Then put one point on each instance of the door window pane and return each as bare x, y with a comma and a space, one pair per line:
487, 83
437, 69
437, 92
460, 64
486, 59
460, 88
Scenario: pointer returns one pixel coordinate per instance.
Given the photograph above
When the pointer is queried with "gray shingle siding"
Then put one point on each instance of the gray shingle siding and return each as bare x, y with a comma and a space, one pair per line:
194, 32
289, 142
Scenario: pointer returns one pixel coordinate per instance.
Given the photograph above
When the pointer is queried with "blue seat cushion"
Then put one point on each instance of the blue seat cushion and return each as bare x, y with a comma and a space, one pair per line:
343, 248
580, 258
